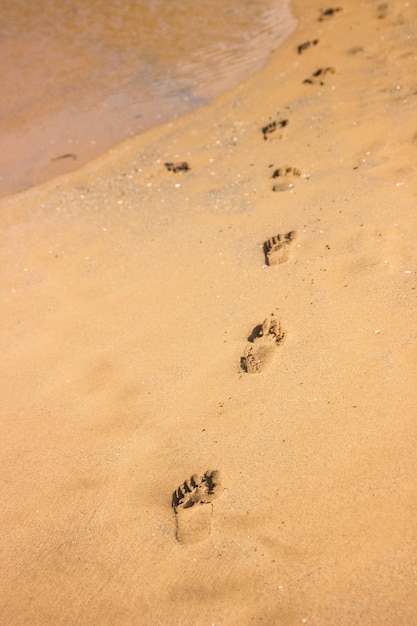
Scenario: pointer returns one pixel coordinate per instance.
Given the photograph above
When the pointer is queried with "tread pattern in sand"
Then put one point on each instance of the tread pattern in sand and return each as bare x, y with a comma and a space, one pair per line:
264, 340
192, 504
276, 249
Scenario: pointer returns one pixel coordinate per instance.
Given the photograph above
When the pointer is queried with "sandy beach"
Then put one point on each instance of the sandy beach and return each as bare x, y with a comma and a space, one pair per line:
209, 351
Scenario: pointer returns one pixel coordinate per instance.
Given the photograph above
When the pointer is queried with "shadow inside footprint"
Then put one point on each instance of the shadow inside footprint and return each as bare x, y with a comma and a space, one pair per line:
276, 249
264, 339
256, 333
190, 500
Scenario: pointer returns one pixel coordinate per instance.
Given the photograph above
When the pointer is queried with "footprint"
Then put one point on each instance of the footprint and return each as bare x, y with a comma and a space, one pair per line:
328, 13
264, 339
276, 249
180, 166
273, 127
193, 517
302, 47
318, 75
286, 176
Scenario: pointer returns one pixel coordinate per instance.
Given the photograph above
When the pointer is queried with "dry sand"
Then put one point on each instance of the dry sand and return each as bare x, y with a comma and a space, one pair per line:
134, 299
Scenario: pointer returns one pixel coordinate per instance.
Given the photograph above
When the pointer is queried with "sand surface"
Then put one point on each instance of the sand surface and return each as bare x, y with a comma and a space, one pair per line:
197, 339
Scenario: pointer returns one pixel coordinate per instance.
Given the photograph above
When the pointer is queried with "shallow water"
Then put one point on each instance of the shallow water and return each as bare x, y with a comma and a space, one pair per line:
77, 77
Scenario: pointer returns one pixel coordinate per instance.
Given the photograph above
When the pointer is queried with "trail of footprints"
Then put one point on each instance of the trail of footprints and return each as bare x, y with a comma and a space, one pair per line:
266, 337
192, 501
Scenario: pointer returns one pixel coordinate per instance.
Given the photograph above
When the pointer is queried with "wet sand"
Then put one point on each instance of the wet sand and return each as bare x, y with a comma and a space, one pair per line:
209, 391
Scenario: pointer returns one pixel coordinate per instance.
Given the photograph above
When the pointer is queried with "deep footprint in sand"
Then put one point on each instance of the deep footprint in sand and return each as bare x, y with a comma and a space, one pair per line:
192, 504
276, 249
264, 340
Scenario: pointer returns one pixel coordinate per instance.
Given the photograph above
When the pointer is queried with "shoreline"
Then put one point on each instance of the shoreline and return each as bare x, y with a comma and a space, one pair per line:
110, 81
209, 374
